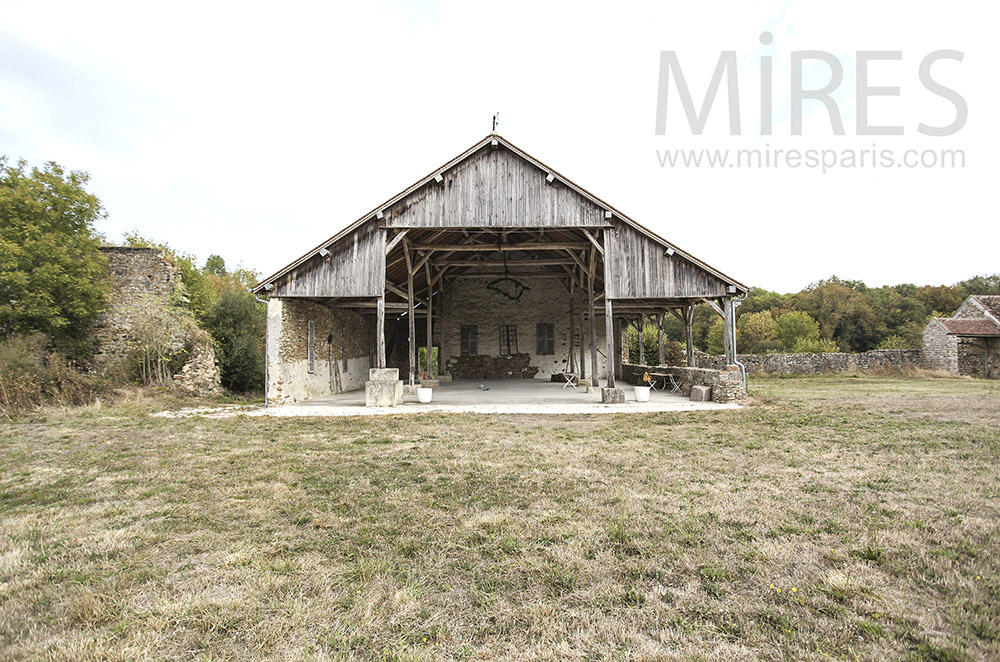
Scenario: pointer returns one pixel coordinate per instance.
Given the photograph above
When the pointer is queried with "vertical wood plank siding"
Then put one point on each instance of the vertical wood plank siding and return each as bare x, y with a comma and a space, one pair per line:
354, 268
638, 268
494, 188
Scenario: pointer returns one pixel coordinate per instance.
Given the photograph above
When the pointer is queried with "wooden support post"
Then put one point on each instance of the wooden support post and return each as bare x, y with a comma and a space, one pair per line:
689, 334
430, 323
609, 330
660, 358
411, 322
572, 327
728, 330
380, 332
642, 341
583, 344
593, 320
620, 343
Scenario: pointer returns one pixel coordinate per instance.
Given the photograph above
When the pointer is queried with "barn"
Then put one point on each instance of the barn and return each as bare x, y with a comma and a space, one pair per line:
965, 343
493, 266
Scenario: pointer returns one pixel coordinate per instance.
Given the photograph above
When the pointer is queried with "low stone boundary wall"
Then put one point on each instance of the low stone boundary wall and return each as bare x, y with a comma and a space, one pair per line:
726, 385
815, 364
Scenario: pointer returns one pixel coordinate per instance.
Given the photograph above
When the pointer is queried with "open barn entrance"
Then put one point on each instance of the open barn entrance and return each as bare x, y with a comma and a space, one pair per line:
503, 267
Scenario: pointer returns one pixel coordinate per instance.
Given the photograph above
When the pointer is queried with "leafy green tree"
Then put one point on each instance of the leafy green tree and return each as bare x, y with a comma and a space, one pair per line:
979, 285
215, 265
756, 332
843, 312
236, 323
814, 346
941, 299
52, 273
795, 326
714, 341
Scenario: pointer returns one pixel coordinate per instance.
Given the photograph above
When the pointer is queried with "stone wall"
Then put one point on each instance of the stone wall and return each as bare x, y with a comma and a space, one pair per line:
973, 360
467, 301
141, 277
814, 364
337, 334
940, 351
726, 384
137, 275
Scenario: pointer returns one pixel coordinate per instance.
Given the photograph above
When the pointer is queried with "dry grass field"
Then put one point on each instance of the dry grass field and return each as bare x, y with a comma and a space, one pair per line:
834, 518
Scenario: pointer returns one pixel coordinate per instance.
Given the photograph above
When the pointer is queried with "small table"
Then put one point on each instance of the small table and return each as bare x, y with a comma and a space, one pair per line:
571, 380
667, 380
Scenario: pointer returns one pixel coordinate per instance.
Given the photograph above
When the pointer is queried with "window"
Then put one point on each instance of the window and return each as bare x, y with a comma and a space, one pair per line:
544, 339
470, 340
311, 346
508, 340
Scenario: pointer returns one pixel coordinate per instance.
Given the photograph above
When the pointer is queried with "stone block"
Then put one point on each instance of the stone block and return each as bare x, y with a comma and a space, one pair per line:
383, 393
701, 393
444, 379
613, 396
686, 389
430, 383
383, 374
409, 390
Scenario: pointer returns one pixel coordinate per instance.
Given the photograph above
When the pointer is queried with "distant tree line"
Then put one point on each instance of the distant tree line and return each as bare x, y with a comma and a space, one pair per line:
832, 315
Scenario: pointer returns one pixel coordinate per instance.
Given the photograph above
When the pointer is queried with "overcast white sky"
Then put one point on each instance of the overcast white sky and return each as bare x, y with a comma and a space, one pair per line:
256, 130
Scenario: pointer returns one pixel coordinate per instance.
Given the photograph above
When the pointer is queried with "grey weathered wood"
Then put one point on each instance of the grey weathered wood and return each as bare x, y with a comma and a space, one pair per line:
715, 306
504, 248
609, 330
689, 335
572, 327
642, 341
638, 268
411, 321
430, 319
728, 331
661, 358
395, 241
494, 188
583, 340
593, 322
355, 268
380, 332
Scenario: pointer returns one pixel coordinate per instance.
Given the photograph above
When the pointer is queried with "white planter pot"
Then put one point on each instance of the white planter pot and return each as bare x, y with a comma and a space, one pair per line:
424, 394
642, 394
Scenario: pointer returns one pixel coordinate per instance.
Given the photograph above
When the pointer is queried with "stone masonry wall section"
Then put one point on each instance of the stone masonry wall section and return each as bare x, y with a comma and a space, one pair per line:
136, 273
467, 301
814, 364
289, 377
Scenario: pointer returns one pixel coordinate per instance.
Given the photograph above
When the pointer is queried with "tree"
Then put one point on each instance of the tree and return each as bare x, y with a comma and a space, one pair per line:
844, 313
714, 339
794, 327
52, 273
215, 265
756, 332
236, 324
979, 285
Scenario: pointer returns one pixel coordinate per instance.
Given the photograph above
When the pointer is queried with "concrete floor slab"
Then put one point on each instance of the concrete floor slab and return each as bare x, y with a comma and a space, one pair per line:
511, 396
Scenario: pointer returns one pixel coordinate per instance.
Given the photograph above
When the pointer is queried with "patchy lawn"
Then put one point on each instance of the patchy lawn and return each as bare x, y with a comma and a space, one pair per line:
845, 518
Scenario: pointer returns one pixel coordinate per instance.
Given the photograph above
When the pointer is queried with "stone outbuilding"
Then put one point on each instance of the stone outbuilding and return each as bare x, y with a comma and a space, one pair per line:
967, 342
496, 264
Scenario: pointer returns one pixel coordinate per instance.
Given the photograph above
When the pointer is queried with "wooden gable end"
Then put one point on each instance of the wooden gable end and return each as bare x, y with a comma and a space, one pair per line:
355, 267
640, 268
494, 188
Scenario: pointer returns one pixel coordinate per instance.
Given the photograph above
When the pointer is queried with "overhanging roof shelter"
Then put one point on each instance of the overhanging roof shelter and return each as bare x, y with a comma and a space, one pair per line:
496, 211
